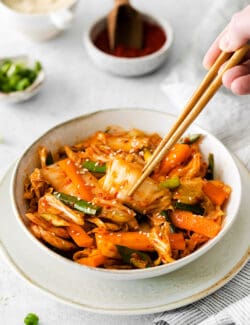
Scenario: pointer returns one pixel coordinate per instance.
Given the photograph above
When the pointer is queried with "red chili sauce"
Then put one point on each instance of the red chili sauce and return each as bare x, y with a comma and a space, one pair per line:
153, 39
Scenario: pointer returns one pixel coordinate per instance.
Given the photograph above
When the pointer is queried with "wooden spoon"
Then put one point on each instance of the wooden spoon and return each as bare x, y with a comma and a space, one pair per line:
125, 26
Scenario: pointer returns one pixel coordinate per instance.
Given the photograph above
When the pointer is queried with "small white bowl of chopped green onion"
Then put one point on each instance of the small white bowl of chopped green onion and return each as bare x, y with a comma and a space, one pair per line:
20, 78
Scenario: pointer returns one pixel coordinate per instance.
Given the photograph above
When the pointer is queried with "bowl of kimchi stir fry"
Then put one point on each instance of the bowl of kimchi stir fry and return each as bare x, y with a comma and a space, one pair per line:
70, 195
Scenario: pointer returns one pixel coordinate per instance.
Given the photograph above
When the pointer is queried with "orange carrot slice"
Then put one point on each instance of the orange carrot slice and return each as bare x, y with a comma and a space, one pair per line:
73, 173
95, 260
80, 237
177, 241
201, 225
178, 154
135, 240
215, 193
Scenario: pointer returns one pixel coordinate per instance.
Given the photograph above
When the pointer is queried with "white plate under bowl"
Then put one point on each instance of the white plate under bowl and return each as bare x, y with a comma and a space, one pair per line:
187, 285
76, 129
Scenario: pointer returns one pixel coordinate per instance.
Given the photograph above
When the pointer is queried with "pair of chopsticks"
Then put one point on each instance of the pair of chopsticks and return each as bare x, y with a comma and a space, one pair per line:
205, 91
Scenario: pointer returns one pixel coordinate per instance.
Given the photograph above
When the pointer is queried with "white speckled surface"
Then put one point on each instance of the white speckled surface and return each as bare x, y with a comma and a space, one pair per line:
74, 86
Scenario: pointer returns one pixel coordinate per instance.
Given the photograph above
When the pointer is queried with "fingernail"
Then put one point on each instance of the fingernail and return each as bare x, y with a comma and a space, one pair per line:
224, 43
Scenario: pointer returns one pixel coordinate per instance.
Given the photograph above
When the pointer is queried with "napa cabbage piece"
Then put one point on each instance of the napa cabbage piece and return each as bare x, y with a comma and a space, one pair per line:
120, 139
116, 212
120, 177
55, 176
37, 186
159, 236
50, 204
189, 191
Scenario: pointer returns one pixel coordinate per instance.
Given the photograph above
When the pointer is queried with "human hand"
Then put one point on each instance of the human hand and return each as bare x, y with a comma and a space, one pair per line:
235, 35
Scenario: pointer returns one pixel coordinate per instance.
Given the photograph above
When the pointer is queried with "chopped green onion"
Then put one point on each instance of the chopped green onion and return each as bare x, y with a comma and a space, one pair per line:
5, 66
194, 208
22, 84
17, 76
210, 170
190, 139
171, 183
75, 203
31, 319
94, 167
38, 66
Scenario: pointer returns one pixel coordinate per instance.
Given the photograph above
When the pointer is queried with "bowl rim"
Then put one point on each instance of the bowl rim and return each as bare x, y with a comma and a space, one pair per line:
161, 21
130, 274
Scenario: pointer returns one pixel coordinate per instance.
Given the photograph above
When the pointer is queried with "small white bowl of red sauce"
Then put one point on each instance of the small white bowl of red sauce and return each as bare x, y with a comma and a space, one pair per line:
128, 62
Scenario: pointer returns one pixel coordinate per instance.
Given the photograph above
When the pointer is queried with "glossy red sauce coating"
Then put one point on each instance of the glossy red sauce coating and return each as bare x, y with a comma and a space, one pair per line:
153, 39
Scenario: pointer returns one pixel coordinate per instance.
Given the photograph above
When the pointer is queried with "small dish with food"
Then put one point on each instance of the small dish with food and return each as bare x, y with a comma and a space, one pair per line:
39, 20
20, 78
128, 62
70, 194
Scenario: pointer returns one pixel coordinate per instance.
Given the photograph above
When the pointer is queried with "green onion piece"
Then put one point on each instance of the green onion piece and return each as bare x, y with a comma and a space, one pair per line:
31, 319
5, 66
22, 84
190, 139
133, 257
168, 219
17, 76
38, 66
194, 208
94, 167
49, 159
210, 170
171, 183
75, 203
13, 81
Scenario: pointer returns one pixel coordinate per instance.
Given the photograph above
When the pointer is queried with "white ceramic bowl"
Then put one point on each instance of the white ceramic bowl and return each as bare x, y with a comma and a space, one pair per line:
128, 67
40, 26
32, 90
75, 130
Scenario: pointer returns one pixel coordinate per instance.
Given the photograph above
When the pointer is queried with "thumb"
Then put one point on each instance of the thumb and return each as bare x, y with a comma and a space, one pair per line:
238, 31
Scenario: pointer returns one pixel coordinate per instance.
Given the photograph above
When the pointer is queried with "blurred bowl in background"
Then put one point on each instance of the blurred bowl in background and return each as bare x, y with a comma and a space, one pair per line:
40, 26
128, 66
30, 91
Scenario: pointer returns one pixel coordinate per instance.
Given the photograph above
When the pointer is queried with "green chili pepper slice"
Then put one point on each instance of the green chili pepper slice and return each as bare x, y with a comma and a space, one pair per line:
210, 170
75, 203
94, 167
133, 257
194, 208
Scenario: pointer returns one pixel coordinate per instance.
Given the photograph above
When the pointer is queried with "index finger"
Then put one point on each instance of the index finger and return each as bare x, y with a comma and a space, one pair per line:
213, 52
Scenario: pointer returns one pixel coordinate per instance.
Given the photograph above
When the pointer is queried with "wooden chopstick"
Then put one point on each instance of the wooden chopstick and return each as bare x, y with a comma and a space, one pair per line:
208, 87
194, 98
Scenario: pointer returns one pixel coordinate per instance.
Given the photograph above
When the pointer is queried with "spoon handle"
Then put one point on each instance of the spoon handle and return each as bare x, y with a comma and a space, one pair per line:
121, 2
